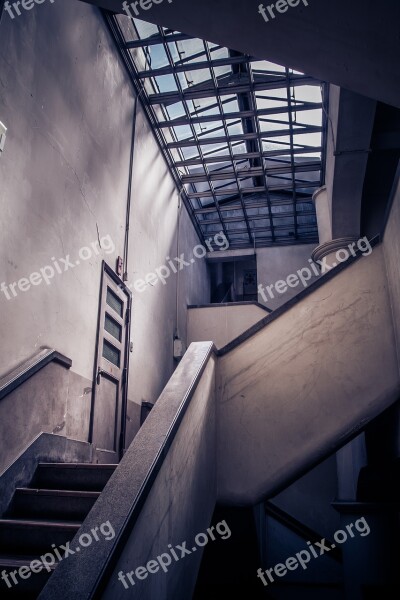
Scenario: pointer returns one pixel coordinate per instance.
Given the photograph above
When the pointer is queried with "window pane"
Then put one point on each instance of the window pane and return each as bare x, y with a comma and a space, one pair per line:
115, 303
113, 328
111, 353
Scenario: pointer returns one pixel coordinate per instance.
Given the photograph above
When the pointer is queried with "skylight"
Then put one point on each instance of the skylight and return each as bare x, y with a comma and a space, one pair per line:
244, 138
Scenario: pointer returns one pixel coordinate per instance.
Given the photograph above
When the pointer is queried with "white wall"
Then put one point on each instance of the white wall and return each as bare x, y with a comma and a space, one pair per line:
276, 264
222, 323
68, 105
292, 391
63, 174
154, 224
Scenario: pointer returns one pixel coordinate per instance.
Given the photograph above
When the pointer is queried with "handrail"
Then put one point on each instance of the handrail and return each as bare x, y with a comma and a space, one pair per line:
132, 482
13, 379
229, 304
299, 528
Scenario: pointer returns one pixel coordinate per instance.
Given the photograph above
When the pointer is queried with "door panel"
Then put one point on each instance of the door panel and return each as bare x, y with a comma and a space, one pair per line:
108, 417
106, 437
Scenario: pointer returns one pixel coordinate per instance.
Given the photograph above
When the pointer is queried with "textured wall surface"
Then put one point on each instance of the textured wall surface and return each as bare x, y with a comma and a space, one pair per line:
275, 264
289, 393
68, 106
55, 400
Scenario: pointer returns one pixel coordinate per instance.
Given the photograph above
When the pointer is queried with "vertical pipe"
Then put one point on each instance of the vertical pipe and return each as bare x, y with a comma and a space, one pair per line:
129, 198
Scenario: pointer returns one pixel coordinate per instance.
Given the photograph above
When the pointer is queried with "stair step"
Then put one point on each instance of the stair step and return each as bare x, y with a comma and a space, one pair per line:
306, 590
72, 476
21, 537
52, 504
25, 588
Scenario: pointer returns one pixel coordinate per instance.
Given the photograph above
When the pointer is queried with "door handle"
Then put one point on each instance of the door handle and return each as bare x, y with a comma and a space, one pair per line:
99, 374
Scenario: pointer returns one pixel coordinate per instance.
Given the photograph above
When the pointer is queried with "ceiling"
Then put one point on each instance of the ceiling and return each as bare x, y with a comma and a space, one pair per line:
355, 45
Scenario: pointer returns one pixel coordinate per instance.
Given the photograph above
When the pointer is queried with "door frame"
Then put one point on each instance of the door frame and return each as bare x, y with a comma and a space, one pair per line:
106, 269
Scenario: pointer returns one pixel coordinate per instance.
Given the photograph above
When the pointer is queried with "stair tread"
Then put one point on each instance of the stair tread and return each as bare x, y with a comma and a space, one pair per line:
49, 492
298, 582
20, 561
41, 523
77, 465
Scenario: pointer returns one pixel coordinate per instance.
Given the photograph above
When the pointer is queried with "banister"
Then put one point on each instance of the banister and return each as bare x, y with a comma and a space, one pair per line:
24, 371
86, 575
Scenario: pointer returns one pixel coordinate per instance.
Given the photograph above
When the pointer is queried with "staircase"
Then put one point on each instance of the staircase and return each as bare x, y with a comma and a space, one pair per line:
43, 517
285, 536
232, 427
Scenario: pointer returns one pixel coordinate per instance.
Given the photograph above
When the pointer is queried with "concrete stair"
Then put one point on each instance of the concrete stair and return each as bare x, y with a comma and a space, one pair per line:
43, 517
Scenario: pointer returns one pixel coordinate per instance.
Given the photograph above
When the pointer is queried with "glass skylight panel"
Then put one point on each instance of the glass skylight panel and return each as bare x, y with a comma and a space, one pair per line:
197, 93
264, 65
190, 152
311, 139
175, 110
166, 83
188, 48
182, 131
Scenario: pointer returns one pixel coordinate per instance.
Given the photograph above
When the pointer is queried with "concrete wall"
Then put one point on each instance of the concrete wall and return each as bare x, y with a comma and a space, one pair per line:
55, 400
68, 106
63, 174
275, 264
290, 393
222, 323
157, 310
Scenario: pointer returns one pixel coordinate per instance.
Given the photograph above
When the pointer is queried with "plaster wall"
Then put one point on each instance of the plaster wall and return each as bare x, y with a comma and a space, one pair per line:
275, 264
55, 400
222, 323
310, 366
68, 105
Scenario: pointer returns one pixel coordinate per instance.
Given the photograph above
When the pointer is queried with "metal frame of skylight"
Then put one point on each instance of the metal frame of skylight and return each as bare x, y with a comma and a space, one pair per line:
230, 170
